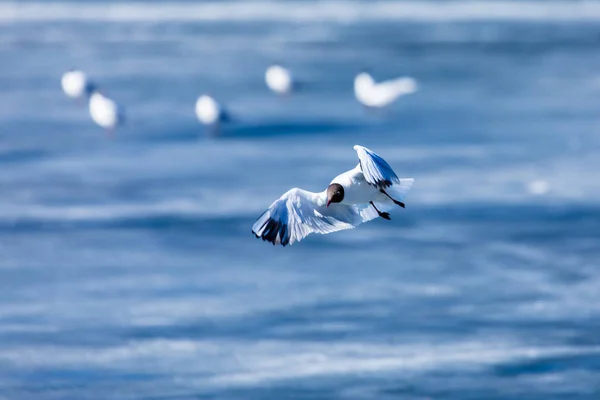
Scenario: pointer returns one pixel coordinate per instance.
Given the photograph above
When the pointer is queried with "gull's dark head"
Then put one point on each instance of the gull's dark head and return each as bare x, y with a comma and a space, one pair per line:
335, 193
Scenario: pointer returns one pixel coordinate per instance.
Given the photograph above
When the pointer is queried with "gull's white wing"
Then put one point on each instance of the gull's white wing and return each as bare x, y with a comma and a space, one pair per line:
376, 170
298, 213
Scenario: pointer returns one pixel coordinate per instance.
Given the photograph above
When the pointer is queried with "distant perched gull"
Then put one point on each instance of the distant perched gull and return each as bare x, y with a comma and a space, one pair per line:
372, 94
105, 112
76, 84
356, 196
279, 79
209, 112
538, 187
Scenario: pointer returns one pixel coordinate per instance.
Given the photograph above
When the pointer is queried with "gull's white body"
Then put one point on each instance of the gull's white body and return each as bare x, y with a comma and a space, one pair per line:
105, 111
299, 213
208, 110
373, 94
74, 83
279, 79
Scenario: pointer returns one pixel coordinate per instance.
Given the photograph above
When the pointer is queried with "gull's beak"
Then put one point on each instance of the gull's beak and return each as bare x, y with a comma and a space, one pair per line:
328, 202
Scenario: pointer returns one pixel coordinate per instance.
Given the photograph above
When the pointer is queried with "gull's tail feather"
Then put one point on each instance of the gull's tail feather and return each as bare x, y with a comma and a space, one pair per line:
399, 190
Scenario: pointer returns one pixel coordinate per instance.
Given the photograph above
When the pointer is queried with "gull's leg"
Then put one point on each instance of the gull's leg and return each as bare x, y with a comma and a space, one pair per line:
399, 203
383, 215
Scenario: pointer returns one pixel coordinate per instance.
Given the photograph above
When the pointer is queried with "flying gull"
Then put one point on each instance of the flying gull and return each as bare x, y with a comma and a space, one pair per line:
359, 195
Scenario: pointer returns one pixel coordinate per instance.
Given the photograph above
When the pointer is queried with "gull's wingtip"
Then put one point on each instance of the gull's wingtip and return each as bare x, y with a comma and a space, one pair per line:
358, 148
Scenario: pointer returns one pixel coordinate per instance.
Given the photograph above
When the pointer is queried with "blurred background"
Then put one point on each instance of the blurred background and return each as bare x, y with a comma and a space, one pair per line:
127, 265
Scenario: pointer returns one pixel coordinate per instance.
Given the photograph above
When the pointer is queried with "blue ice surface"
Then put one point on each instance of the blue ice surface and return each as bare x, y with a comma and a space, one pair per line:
127, 266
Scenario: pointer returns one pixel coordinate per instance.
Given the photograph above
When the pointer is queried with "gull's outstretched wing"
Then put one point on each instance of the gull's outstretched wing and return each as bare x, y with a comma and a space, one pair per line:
376, 170
298, 213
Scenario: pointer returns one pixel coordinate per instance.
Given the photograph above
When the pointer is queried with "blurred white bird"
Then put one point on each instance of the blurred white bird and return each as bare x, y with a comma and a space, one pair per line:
209, 112
538, 187
105, 112
76, 84
279, 79
373, 94
356, 196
